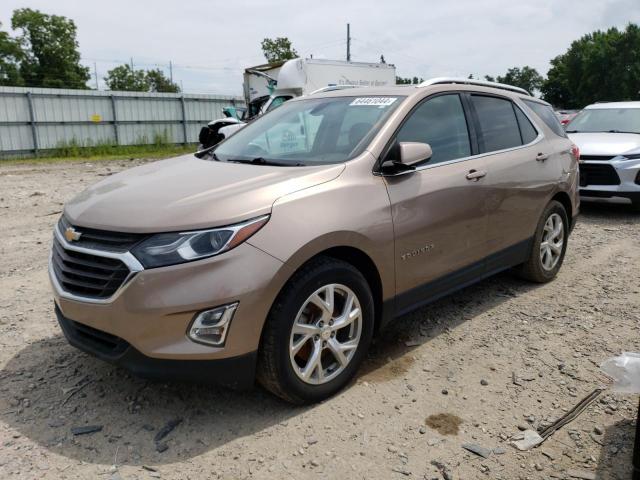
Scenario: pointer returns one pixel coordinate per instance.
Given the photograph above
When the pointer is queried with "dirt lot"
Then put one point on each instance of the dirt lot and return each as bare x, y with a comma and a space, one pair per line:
497, 356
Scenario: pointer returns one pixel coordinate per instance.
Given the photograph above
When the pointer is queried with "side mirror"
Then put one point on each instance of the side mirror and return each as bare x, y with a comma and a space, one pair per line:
408, 155
414, 152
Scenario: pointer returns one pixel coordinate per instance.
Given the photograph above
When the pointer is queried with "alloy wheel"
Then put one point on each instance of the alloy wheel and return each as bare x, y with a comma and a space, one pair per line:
326, 334
552, 242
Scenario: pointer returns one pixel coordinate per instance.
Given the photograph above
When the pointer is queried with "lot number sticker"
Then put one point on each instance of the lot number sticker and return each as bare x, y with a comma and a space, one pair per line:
373, 101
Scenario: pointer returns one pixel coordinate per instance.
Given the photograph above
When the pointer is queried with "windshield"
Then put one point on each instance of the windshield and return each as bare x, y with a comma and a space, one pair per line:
623, 120
310, 131
276, 102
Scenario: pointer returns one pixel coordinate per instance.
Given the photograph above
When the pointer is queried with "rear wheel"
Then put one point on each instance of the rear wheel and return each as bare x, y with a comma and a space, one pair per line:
549, 245
317, 333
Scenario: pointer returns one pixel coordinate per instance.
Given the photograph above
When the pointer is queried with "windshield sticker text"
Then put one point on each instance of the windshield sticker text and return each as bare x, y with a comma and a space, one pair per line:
373, 101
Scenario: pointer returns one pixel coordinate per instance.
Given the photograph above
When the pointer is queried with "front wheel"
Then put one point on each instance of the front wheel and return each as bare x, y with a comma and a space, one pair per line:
549, 245
317, 333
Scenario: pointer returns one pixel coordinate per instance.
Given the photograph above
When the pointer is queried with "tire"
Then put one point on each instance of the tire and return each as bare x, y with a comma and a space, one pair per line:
534, 269
276, 371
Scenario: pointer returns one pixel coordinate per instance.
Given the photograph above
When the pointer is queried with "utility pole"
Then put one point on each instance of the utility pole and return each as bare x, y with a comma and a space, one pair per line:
132, 64
170, 71
348, 42
95, 69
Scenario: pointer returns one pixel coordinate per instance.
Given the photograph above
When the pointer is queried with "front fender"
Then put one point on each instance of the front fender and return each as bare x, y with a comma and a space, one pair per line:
352, 210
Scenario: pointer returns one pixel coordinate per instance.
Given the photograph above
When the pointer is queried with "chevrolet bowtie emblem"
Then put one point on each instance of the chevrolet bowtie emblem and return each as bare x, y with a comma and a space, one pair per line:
71, 235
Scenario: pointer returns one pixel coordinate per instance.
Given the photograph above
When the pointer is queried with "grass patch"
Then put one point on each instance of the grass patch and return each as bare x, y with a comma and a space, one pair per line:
71, 153
159, 146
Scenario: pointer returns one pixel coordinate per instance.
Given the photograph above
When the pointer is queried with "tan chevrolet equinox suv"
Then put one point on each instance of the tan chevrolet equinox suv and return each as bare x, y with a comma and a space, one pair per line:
280, 252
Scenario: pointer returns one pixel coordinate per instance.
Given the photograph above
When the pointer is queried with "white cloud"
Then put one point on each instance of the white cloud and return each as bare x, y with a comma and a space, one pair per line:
211, 42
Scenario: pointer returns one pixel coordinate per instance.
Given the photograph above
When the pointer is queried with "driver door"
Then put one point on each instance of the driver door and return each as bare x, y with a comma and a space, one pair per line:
439, 210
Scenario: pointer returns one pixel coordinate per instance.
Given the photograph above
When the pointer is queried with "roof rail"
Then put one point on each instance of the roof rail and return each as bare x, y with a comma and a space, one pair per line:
471, 81
331, 88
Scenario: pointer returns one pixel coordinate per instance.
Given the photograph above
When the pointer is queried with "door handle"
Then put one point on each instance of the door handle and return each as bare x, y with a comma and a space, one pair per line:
541, 157
475, 175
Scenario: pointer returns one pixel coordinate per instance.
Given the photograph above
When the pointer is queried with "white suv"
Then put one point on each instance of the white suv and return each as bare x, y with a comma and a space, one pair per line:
608, 136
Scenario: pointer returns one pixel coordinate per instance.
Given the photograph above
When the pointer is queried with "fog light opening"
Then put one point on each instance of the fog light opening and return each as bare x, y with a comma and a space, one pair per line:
211, 326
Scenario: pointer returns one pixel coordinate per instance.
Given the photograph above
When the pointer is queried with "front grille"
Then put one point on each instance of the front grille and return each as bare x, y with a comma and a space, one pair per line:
102, 239
596, 157
87, 275
598, 174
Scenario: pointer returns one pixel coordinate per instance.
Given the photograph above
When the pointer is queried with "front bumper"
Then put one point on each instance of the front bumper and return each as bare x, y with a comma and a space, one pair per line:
235, 372
610, 196
154, 309
626, 191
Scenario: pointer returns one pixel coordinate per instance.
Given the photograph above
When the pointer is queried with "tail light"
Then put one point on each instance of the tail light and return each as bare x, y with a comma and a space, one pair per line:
564, 122
575, 151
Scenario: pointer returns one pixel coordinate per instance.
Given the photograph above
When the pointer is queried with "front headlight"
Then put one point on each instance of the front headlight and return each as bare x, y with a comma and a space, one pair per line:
172, 248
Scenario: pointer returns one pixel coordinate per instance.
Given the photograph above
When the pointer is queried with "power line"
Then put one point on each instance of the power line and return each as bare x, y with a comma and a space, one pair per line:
164, 65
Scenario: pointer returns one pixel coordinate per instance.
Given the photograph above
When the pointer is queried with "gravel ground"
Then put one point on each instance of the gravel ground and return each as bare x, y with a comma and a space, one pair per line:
472, 368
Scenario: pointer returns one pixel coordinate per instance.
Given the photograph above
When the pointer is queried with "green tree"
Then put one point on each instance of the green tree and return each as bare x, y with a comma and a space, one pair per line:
599, 66
51, 57
408, 80
11, 54
159, 83
278, 49
127, 79
525, 77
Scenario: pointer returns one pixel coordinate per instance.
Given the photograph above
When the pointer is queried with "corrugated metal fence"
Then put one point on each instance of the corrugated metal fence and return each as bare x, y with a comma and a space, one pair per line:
35, 119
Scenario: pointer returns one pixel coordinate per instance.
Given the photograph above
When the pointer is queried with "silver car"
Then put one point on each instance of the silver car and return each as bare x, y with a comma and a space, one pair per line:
608, 136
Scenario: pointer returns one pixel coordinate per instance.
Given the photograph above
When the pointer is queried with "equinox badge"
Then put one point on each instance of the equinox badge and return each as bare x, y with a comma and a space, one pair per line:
417, 252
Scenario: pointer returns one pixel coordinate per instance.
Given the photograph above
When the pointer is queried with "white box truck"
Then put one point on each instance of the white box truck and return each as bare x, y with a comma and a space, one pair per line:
303, 76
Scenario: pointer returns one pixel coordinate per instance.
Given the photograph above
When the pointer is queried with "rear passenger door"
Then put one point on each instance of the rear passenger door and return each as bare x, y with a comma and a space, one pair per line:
519, 179
439, 210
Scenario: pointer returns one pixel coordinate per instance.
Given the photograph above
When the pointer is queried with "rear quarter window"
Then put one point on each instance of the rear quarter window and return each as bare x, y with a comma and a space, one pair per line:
498, 123
545, 112
527, 130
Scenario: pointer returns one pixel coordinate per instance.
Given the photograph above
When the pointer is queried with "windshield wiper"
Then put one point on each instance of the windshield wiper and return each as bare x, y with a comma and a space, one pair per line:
264, 161
202, 153
620, 131
601, 131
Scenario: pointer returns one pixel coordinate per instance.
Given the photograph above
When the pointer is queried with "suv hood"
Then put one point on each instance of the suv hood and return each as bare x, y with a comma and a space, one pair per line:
187, 193
609, 144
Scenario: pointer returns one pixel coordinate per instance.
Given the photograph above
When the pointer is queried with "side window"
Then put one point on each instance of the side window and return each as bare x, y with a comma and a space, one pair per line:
498, 124
441, 123
545, 112
527, 130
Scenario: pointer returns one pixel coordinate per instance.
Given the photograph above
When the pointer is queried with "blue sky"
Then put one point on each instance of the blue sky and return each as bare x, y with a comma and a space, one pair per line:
211, 42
